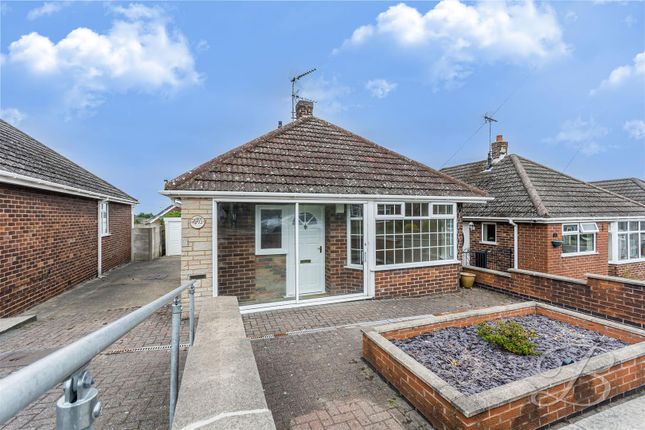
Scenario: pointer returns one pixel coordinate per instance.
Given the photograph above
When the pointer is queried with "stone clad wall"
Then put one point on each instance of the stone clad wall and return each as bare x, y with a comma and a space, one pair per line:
196, 247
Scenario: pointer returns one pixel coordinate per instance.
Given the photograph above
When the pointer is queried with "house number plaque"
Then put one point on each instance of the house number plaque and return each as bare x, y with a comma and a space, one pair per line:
197, 222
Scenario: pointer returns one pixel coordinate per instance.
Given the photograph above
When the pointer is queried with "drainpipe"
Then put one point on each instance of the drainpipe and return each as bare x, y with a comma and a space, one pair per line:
515, 259
99, 268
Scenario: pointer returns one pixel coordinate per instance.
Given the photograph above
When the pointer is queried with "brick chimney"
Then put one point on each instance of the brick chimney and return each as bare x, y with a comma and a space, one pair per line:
304, 108
499, 148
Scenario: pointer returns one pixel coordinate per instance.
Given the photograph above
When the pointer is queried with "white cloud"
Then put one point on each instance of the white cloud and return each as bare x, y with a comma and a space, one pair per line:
380, 88
571, 16
622, 74
47, 8
12, 116
328, 95
140, 52
635, 128
582, 135
457, 34
202, 46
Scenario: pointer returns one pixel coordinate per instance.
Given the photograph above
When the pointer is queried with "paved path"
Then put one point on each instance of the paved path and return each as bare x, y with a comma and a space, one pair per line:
133, 385
318, 380
624, 414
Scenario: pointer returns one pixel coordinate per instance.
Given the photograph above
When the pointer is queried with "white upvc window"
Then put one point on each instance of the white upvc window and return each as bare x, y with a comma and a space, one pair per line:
104, 218
270, 237
627, 241
579, 238
489, 233
389, 210
355, 236
422, 234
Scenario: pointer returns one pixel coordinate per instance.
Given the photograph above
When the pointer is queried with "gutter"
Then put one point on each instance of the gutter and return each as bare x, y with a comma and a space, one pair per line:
28, 181
339, 198
556, 220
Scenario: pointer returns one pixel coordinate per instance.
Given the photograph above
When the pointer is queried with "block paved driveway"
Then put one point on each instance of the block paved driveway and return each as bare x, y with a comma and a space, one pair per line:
311, 368
133, 385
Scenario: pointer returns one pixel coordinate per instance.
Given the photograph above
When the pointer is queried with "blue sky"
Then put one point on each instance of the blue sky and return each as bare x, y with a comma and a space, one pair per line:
139, 93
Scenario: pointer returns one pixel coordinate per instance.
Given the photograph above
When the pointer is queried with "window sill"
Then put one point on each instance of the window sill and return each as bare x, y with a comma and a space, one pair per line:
415, 265
634, 260
579, 254
106, 234
270, 251
353, 267
487, 243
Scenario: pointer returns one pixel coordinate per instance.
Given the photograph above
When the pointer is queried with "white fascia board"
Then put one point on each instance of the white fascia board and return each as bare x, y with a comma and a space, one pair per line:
554, 220
233, 196
41, 184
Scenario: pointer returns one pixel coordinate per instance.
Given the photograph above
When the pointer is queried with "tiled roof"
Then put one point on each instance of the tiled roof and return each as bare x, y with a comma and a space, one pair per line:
23, 155
632, 188
525, 189
310, 155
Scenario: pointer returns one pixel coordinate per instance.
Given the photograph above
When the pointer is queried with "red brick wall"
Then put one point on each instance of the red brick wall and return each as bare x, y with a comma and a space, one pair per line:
498, 259
236, 252
420, 281
117, 246
615, 299
538, 254
629, 270
338, 278
48, 243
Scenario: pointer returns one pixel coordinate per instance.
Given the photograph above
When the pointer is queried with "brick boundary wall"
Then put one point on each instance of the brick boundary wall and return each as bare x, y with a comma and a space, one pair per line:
117, 247
48, 244
551, 405
619, 299
628, 270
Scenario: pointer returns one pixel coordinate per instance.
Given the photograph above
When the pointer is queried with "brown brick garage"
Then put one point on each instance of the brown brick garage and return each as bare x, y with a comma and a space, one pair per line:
116, 247
48, 243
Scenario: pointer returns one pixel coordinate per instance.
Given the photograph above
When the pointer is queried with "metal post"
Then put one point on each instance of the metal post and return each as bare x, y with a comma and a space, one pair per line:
191, 315
174, 358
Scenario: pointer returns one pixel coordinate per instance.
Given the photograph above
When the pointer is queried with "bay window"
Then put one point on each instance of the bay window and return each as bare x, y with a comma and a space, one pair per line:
579, 238
415, 233
627, 241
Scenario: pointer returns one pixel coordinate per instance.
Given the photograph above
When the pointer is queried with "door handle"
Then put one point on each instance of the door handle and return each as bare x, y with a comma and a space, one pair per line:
320, 249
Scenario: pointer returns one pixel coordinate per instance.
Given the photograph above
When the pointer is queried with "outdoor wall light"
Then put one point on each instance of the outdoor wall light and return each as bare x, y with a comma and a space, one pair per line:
556, 243
471, 226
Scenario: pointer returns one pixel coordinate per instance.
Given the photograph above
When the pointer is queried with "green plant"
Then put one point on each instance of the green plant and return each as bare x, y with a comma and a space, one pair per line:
509, 335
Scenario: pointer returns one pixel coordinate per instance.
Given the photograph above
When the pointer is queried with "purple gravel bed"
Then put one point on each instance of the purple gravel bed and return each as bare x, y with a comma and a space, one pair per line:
472, 365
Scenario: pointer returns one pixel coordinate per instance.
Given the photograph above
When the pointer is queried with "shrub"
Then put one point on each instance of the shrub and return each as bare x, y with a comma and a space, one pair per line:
509, 335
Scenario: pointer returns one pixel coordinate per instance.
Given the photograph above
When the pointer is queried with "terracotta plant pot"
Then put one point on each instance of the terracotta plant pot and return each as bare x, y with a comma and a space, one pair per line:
467, 280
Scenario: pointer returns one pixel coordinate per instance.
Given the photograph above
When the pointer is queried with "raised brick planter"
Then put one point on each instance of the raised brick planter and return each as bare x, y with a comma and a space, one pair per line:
529, 403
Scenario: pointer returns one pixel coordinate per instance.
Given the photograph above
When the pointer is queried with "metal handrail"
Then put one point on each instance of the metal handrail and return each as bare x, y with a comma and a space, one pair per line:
22, 387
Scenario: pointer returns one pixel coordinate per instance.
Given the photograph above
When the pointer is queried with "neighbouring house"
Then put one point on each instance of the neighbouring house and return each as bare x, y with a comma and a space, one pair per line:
632, 188
173, 210
312, 213
546, 221
59, 224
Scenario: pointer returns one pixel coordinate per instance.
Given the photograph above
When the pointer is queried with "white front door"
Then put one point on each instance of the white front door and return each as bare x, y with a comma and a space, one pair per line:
311, 249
